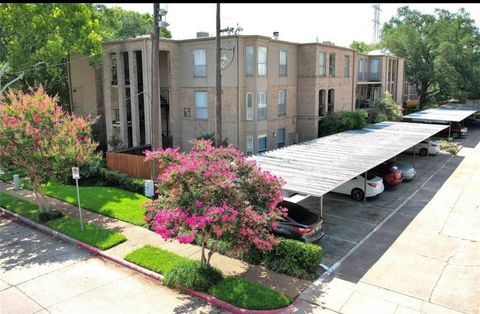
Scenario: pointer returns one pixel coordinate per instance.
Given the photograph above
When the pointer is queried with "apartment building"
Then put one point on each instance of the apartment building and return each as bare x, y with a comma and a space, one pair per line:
274, 93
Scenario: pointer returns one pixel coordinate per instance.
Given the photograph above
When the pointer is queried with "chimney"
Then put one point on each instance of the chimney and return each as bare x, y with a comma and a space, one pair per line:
275, 35
202, 34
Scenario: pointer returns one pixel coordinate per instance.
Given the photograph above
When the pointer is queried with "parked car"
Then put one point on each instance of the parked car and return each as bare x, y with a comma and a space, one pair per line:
407, 170
355, 187
390, 173
457, 131
300, 224
430, 146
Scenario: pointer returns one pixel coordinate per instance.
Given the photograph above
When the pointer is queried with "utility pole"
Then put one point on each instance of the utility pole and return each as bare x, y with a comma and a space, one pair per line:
218, 107
155, 99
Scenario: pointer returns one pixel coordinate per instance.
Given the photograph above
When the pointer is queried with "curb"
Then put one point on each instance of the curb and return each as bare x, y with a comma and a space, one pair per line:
207, 297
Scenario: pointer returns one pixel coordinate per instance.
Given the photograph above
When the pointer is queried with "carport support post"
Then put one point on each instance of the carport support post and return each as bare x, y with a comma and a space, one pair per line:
365, 189
414, 150
449, 129
321, 206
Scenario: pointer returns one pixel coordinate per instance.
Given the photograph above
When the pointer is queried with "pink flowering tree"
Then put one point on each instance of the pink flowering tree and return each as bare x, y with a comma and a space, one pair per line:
40, 139
214, 195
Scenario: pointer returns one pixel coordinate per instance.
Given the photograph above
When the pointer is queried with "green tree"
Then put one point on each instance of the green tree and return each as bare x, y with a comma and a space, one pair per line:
363, 47
39, 138
440, 51
385, 108
343, 121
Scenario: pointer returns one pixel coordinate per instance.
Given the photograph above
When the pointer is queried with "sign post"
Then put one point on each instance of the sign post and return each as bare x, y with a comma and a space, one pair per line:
76, 176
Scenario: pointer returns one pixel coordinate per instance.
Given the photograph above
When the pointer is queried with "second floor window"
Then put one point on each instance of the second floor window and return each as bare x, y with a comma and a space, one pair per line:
249, 61
331, 65
361, 70
262, 105
114, 69
201, 105
346, 67
282, 58
323, 67
199, 63
282, 102
374, 70
262, 61
249, 106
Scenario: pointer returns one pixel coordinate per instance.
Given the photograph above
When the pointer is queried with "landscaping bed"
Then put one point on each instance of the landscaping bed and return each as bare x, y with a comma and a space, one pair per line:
181, 272
95, 236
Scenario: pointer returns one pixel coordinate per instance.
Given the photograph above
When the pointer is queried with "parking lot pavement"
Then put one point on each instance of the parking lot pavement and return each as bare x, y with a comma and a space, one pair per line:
41, 274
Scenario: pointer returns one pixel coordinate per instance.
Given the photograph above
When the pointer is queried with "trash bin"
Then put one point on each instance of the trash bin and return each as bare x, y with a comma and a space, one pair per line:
16, 182
149, 189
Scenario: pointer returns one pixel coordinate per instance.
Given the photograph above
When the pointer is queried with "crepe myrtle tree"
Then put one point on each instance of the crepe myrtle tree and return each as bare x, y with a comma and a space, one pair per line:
214, 195
39, 138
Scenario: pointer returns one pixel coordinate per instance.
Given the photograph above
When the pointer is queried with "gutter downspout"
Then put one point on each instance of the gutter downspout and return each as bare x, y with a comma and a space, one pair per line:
70, 93
353, 82
238, 93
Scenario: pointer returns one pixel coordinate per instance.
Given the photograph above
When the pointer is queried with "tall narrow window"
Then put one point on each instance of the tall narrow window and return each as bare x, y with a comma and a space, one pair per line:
323, 68
281, 138
249, 145
201, 105
262, 143
331, 65
282, 102
282, 58
346, 67
199, 63
249, 61
126, 68
114, 69
249, 106
262, 61
374, 70
331, 100
361, 70
321, 102
262, 105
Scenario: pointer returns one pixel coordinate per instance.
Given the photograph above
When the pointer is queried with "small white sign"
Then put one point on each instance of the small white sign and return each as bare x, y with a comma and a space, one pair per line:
75, 173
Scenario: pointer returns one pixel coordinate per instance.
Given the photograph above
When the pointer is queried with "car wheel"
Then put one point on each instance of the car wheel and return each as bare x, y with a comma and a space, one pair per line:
423, 152
456, 135
357, 194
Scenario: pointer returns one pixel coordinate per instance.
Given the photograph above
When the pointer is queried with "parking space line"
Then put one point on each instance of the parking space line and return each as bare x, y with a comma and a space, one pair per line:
340, 239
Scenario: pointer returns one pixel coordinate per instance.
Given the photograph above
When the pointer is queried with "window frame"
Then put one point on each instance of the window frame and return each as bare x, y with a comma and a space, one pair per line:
263, 107
284, 137
251, 110
281, 65
249, 139
199, 66
249, 63
332, 65
284, 113
261, 136
346, 66
198, 107
324, 65
264, 64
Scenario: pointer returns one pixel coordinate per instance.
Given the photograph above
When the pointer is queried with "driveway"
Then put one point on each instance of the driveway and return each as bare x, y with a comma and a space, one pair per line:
41, 274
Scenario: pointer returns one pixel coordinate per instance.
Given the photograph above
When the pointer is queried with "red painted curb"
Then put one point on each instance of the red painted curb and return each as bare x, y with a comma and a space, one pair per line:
207, 297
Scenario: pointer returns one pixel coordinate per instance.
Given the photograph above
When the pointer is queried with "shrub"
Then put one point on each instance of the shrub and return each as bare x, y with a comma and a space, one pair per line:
193, 275
385, 108
121, 180
450, 147
345, 120
47, 216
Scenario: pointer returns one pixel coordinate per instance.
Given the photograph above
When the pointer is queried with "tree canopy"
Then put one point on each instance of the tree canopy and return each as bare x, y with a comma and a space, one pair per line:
363, 47
440, 51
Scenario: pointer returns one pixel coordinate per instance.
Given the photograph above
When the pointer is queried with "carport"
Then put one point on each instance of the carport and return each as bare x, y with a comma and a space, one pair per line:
318, 166
440, 115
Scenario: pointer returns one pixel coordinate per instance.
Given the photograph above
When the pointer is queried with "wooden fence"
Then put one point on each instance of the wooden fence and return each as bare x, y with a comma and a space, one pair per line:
132, 165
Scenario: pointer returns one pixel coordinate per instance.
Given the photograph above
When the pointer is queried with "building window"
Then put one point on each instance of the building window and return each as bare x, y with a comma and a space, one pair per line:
201, 105
331, 65
282, 58
331, 100
262, 143
361, 70
262, 61
374, 69
281, 138
249, 145
126, 68
282, 102
249, 61
323, 68
249, 106
321, 102
346, 67
114, 69
262, 105
199, 63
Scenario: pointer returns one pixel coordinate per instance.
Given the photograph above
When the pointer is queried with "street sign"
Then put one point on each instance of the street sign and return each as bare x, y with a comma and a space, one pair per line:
75, 173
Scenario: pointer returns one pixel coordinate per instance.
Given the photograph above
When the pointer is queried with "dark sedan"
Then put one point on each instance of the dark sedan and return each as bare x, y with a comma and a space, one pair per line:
300, 224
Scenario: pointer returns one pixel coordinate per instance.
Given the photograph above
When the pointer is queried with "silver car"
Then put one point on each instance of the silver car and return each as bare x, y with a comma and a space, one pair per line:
407, 170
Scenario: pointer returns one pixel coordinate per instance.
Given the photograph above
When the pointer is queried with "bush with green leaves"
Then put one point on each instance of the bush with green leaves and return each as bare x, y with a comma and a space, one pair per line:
449, 147
343, 121
385, 108
193, 275
121, 180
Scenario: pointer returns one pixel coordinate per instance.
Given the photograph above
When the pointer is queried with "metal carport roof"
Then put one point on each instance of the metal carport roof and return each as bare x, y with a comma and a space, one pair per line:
440, 115
318, 166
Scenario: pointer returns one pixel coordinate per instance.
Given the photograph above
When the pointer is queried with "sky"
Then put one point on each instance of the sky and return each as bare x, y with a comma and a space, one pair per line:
340, 23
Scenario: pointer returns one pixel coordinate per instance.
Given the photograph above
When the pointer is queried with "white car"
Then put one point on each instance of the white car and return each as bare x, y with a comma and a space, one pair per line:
355, 187
432, 147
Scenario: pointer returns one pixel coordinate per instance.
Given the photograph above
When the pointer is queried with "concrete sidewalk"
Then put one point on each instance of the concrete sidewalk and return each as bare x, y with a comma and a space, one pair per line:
138, 237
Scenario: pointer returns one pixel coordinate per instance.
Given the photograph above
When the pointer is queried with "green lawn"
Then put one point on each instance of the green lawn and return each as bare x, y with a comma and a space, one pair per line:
237, 291
108, 201
93, 235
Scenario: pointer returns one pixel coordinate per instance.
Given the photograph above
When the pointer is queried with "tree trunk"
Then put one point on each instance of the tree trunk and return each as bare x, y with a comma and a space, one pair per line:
203, 261
41, 199
423, 95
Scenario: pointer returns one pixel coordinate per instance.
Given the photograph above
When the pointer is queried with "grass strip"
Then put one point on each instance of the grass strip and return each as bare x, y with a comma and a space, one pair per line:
155, 259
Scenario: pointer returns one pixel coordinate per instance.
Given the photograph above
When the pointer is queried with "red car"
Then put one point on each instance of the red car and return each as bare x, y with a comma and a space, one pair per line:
390, 174
457, 131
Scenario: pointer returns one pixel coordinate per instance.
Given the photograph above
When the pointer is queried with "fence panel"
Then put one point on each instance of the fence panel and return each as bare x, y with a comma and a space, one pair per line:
132, 165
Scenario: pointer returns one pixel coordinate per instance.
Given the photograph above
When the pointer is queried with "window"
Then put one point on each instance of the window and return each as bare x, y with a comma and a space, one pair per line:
114, 69
282, 60
262, 143
249, 106
361, 70
199, 63
282, 102
201, 105
249, 61
323, 69
374, 69
262, 61
281, 138
321, 102
262, 105
249, 145
331, 100
331, 65
346, 67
